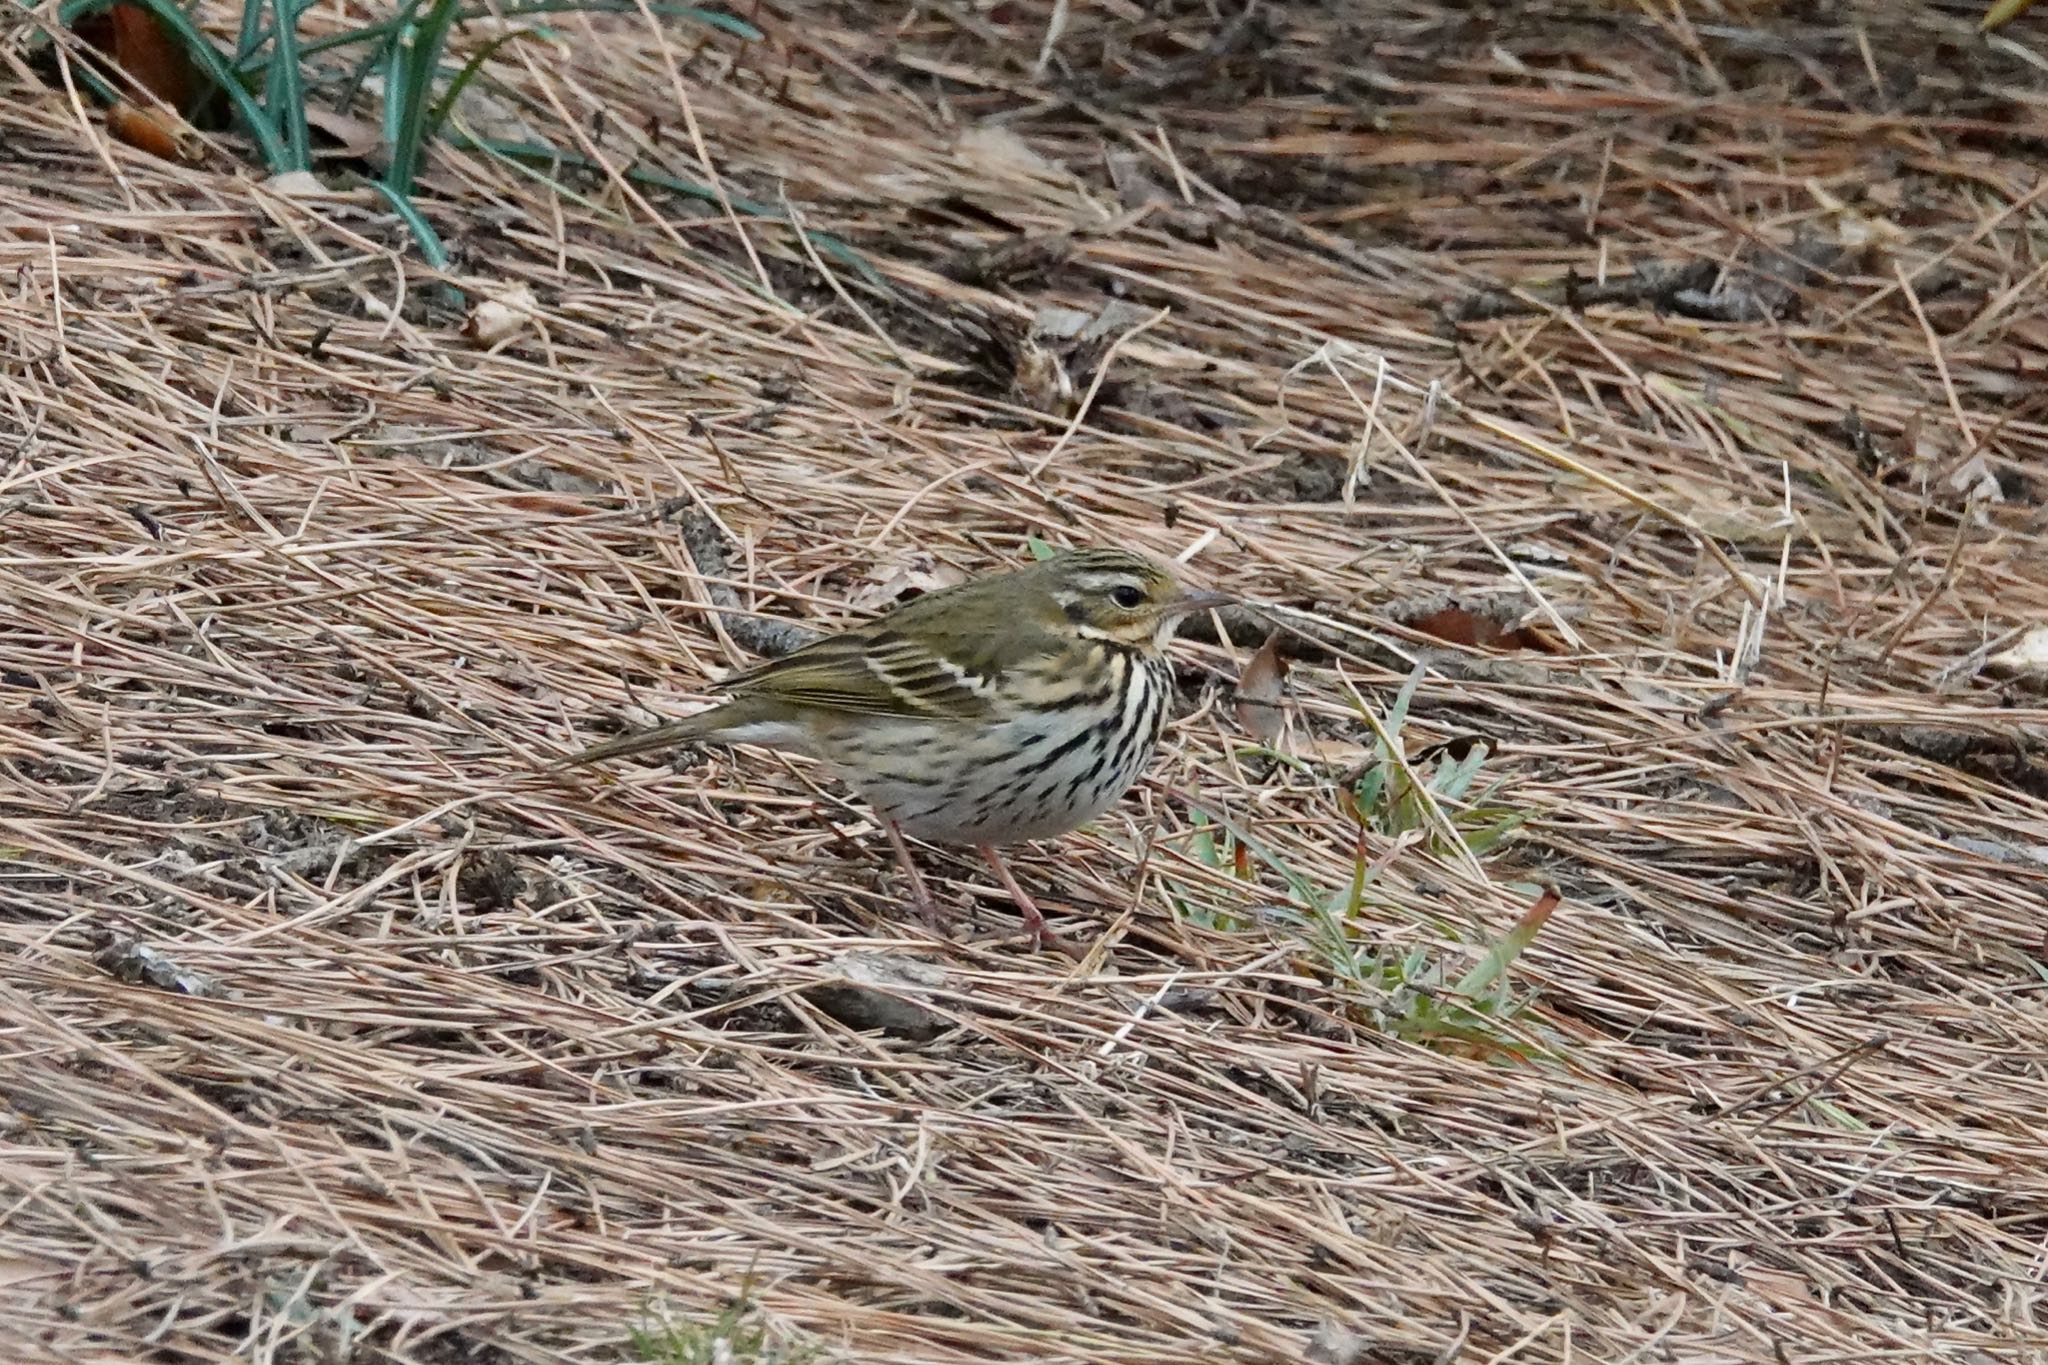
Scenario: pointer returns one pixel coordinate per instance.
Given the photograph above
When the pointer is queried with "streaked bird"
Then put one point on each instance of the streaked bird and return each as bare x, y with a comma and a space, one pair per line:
1013, 707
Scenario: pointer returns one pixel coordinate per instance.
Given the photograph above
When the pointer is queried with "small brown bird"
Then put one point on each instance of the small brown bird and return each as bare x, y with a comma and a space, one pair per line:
1017, 706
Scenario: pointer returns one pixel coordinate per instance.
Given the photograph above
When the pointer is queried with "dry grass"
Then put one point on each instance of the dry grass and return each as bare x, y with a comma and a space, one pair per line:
331, 1025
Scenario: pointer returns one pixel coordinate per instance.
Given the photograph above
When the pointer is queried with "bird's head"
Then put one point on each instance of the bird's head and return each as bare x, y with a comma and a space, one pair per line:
1119, 596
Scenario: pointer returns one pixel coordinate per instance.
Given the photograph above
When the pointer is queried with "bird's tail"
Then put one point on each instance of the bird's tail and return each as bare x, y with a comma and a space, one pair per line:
710, 724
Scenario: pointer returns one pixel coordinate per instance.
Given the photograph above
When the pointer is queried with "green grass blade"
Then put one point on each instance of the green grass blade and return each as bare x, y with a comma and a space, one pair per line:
250, 36
409, 79
1302, 888
1485, 837
1397, 714
209, 59
1415, 806
391, 117
287, 93
435, 254
1361, 877
1367, 791
383, 38
1501, 955
1454, 778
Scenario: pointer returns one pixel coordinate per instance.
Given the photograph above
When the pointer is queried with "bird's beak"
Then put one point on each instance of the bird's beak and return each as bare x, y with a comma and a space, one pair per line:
1188, 603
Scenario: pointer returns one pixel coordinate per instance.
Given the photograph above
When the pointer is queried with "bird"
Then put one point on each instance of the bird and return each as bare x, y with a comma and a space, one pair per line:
1015, 706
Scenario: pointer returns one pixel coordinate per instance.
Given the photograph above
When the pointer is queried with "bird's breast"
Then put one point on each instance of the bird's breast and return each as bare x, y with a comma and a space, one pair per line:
1062, 752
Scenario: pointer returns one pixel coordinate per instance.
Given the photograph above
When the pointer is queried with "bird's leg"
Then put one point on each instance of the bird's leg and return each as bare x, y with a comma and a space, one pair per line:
1033, 920
926, 906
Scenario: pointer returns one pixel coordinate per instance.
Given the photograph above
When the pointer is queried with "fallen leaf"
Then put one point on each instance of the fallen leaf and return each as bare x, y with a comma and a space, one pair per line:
143, 47
1061, 324
1259, 690
357, 137
1456, 626
1459, 626
1116, 316
501, 316
1998, 851
1778, 1286
159, 132
485, 116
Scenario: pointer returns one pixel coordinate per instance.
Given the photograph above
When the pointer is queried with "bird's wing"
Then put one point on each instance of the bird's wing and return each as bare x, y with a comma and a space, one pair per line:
875, 672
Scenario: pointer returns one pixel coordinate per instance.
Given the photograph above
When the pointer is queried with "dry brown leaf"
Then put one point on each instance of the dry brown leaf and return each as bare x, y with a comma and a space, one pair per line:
1134, 185
159, 132
1259, 690
1459, 626
146, 50
1777, 1286
358, 137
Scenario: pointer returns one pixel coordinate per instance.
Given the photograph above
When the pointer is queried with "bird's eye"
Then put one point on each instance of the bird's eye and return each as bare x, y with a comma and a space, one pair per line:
1128, 597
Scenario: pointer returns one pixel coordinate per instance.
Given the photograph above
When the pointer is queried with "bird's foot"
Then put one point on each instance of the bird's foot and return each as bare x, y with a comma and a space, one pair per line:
1041, 933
